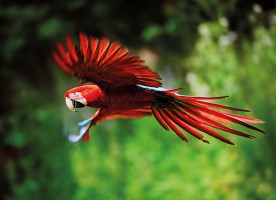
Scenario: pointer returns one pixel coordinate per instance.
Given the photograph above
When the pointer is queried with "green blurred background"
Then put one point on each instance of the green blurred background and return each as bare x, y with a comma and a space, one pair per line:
210, 47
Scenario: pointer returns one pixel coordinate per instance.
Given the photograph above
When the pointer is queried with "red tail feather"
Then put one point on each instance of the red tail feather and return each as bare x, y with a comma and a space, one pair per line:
172, 125
192, 114
159, 118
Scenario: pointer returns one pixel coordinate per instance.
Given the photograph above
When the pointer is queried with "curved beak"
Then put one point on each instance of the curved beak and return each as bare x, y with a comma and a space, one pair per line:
73, 104
69, 104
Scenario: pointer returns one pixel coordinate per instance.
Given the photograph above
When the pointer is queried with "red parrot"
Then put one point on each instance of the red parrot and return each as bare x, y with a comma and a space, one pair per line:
120, 85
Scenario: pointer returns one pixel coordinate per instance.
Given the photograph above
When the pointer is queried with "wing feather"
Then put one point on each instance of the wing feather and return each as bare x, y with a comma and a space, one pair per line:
105, 63
84, 45
71, 49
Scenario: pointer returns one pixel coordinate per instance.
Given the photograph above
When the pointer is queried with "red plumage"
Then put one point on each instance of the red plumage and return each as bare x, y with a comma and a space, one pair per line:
121, 86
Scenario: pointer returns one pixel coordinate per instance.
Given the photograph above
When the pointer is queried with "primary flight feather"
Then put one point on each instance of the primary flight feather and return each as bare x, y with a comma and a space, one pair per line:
121, 86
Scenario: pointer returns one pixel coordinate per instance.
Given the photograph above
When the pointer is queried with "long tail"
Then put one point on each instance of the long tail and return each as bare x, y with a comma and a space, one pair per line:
194, 114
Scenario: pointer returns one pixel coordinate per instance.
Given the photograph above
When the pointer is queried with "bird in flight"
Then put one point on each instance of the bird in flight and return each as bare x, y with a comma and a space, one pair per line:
120, 85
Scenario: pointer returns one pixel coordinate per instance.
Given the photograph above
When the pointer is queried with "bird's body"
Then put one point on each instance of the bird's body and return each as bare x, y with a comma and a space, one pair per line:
123, 87
124, 98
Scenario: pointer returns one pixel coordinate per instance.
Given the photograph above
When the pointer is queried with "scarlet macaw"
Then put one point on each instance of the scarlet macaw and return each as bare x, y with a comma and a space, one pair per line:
121, 86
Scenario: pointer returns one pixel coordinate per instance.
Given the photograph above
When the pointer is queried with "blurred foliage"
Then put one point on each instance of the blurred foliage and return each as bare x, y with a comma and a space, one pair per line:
212, 47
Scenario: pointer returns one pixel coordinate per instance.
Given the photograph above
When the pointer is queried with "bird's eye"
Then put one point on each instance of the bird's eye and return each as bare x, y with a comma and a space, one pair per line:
74, 94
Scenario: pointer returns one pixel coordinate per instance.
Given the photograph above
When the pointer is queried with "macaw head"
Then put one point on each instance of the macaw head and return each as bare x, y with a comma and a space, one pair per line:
81, 96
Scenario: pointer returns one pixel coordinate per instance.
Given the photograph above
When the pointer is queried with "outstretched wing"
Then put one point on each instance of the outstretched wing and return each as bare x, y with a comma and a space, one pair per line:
105, 63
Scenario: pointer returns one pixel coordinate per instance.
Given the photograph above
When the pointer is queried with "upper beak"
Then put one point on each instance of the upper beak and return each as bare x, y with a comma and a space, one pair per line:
73, 104
70, 104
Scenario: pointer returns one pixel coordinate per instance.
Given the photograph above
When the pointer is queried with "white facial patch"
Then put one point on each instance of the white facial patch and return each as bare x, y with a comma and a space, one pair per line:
77, 96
